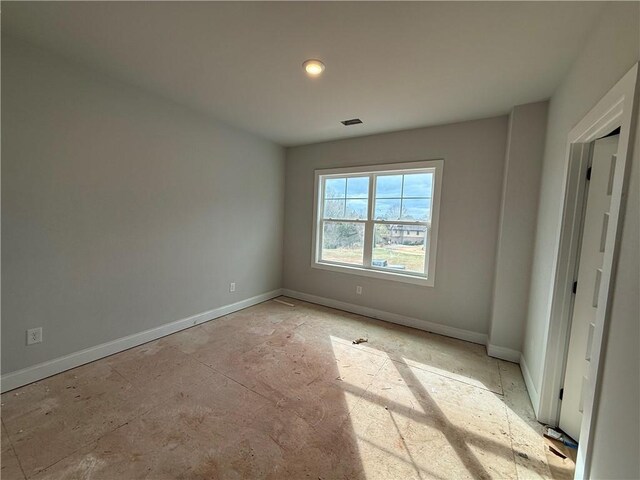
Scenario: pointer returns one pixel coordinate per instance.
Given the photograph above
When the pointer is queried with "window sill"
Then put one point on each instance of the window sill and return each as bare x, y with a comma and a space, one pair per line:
366, 272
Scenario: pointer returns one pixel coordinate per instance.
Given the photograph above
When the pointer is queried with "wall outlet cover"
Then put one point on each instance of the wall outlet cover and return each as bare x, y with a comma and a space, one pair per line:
34, 335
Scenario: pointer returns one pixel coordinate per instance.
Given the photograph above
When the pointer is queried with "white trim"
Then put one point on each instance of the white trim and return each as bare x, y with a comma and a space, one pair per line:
531, 387
454, 332
561, 291
432, 231
503, 353
37, 372
383, 167
373, 273
615, 109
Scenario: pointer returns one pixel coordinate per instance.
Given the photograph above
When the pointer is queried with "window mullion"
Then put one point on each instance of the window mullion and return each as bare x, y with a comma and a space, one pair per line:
427, 247
401, 222
401, 198
368, 227
344, 208
320, 220
320, 239
368, 243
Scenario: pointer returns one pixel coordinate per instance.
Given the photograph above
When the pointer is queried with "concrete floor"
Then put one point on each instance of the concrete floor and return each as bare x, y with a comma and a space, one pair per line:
278, 392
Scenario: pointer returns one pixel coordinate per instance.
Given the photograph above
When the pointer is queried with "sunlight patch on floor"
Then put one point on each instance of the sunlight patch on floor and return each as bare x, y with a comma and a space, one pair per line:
413, 420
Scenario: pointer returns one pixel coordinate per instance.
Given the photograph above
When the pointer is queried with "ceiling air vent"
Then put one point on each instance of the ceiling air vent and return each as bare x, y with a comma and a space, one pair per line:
353, 121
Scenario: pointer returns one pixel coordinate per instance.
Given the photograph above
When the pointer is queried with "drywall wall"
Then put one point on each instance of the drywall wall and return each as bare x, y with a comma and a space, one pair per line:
473, 154
609, 52
518, 214
122, 211
616, 439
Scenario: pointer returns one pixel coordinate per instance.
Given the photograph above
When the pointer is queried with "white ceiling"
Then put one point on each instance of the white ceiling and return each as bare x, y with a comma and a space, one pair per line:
395, 65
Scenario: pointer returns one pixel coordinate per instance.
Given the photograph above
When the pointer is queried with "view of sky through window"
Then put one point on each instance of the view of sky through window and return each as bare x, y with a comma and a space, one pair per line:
404, 197
346, 198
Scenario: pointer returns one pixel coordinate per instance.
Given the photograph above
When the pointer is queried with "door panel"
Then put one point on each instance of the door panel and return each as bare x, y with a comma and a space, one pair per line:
589, 274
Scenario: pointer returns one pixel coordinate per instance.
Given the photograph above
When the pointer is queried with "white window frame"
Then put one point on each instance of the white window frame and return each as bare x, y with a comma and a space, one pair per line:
367, 270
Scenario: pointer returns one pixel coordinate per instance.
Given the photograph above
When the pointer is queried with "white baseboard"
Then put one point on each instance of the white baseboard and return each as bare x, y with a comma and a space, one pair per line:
37, 372
531, 388
31, 374
454, 332
503, 353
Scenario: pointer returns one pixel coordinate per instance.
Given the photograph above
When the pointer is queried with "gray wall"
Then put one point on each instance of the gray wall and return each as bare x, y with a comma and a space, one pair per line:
122, 211
520, 190
473, 154
610, 51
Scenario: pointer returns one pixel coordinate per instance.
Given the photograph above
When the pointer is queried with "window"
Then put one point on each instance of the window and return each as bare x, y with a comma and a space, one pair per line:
379, 221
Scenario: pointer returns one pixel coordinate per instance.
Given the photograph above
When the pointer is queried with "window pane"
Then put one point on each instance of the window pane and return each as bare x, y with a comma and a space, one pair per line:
399, 247
388, 186
334, 187
333, 209
418, 209
343, 242
417, 185
358, 187
357, 209
387, 209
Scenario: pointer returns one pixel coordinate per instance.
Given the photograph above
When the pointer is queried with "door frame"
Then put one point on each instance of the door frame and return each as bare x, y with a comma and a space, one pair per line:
615, 109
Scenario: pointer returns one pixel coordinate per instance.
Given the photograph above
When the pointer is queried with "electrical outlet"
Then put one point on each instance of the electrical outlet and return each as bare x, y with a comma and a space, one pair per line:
232, 287
358, 290
34, 335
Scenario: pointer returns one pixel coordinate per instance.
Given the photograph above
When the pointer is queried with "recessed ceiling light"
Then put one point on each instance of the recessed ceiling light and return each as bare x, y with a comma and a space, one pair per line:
313, 67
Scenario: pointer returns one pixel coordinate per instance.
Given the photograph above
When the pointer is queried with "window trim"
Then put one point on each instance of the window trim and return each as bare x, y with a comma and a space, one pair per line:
428, 279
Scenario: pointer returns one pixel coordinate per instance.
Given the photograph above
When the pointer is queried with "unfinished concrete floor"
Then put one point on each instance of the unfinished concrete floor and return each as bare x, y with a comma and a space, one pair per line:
279, 392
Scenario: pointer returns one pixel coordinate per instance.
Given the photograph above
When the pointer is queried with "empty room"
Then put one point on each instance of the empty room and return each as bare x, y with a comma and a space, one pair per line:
320, 240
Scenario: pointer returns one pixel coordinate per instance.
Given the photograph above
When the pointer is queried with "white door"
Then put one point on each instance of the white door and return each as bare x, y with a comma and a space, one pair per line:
589, 272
